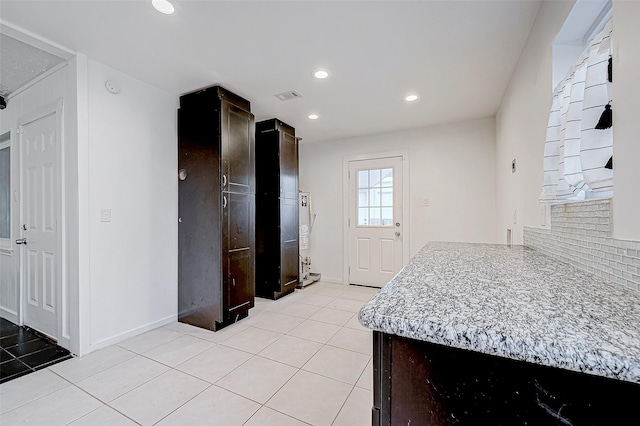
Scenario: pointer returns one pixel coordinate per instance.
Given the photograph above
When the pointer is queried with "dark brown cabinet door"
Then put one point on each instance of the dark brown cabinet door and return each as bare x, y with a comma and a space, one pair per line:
239, 282
238, 247
277, 209
289, 166
238, 139
289, 216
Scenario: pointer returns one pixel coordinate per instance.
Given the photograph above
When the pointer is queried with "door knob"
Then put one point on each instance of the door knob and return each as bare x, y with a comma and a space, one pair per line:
397, 223
21, 241
397, 234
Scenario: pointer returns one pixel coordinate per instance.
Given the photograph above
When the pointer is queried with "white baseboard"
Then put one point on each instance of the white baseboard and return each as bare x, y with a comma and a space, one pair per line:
9, 315
131, 333
331, 280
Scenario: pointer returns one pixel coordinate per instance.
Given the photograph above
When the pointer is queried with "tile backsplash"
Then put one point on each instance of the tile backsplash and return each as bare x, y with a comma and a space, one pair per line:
581, 235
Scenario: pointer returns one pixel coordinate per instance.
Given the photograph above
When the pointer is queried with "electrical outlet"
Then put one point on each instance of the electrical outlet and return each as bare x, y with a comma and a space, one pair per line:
105, 215
515, 217
425, 201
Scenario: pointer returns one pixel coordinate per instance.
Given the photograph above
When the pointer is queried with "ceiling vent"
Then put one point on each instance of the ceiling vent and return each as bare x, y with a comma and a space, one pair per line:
287, 96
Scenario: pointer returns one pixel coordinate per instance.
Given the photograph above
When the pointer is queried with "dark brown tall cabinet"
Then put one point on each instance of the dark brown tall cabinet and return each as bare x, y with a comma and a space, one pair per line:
216, 230
276, 209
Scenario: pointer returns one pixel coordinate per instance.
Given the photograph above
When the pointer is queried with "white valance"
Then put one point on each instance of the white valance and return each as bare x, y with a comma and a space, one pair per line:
576, 153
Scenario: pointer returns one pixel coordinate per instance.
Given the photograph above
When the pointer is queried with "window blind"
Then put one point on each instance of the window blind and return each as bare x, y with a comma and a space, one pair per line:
575, 152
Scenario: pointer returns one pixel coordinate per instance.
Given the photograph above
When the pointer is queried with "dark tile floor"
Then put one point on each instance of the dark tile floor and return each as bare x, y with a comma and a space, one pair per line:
24, 350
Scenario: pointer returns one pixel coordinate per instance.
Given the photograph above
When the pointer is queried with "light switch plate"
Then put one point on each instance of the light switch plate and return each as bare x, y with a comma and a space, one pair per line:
105, 215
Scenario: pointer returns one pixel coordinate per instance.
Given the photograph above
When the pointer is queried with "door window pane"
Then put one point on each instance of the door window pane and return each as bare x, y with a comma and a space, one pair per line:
387, 216
363, 198
363, 179
387, 177
374, 178
374, 216
375, 197
387, 197
363, 217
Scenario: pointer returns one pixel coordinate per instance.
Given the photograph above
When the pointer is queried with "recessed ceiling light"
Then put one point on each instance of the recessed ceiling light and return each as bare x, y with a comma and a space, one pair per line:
411, 98
321, 74
163, 6
313, 116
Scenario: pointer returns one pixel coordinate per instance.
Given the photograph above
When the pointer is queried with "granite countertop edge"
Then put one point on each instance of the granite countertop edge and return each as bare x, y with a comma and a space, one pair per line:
572, 353
528, 352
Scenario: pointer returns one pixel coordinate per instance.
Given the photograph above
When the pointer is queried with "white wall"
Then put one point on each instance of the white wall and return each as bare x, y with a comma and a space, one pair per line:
452, 164
626, 122
132, 170
521, 125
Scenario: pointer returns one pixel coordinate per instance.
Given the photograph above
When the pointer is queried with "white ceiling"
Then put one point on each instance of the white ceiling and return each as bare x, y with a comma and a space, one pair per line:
457, 55
21, 62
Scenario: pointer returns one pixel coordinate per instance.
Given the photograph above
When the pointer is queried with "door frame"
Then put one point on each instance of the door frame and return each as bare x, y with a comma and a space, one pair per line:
406, 225
55, 108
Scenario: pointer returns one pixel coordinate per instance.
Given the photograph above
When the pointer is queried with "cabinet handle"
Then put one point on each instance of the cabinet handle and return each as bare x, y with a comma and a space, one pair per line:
224, 202
233, 281
224, 180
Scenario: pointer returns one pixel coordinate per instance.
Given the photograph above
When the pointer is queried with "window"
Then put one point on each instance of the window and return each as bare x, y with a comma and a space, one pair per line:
578, 153
5, 186
375, 197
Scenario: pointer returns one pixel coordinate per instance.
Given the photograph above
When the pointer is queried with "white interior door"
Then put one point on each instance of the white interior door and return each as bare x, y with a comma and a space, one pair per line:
375, 220
39, 178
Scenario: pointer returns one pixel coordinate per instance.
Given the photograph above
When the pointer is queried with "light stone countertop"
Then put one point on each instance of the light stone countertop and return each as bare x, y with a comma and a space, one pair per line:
515, 303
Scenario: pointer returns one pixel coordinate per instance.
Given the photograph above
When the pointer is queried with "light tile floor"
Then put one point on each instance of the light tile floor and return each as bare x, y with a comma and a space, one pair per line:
303, 359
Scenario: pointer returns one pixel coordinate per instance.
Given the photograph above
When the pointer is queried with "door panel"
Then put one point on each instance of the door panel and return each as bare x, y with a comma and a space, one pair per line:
386, 255
364, 255
239, 250
238, 139
289, 242
48, 281
375, 220
289, 166
240, 208
239, 285
39, 142
289, 264
31, 277
289, 219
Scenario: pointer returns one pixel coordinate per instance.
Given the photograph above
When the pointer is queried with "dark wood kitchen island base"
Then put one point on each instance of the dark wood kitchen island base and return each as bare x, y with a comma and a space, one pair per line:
421, 383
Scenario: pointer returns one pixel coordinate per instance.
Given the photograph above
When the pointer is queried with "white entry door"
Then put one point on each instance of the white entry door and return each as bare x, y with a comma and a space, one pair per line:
39, 180
375, 220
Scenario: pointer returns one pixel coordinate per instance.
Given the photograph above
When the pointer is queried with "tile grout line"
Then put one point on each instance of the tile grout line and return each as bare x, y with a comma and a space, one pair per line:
263, 309
104, 404
181, 405
342, 406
